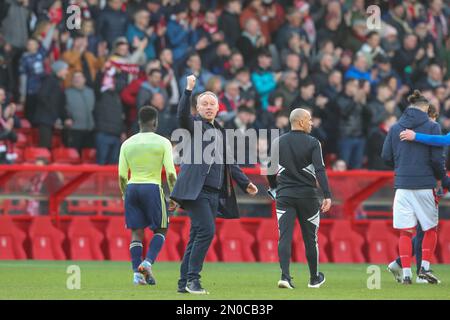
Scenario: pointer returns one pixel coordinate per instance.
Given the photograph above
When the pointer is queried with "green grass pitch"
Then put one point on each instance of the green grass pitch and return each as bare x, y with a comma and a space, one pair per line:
113, 280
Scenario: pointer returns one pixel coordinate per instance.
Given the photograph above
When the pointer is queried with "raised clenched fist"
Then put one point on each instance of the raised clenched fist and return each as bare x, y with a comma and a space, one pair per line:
190, 83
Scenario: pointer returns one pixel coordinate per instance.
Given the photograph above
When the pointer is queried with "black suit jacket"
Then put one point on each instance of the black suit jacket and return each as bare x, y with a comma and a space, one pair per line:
191, 176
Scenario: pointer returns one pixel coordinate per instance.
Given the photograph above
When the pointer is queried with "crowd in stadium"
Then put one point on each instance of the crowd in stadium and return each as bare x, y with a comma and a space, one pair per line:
261, 57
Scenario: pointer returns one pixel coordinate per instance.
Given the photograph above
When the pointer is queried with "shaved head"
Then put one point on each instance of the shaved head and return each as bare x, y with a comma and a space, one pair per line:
298, 114
301, 120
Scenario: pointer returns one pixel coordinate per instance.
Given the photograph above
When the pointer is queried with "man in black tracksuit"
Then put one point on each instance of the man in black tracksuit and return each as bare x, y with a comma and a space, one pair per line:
294, 187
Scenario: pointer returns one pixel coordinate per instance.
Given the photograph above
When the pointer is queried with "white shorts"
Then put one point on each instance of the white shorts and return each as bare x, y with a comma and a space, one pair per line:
411, 206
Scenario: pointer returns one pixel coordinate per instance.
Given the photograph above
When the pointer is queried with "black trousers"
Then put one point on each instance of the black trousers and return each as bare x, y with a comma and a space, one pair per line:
307, 211
45, 136
79, 139
202, 212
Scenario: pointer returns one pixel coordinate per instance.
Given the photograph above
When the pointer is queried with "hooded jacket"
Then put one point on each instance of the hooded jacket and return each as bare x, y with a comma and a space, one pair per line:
417, 166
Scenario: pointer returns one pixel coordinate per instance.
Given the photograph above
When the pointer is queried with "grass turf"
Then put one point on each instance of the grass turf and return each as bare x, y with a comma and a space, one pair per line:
113, 280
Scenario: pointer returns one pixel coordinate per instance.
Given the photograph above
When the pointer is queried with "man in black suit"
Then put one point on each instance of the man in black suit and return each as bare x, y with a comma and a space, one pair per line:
204, 186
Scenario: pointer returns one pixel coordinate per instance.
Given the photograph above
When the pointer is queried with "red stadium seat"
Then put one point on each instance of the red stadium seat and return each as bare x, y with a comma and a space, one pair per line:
85, 240
298, 246
33, 153
66, 156
46, 240
169, 251
88, 156
11, 240
444, 241
236, 242
118, 239
22, 140
267, 240
346, 244
24, 124
211, 255
382, 243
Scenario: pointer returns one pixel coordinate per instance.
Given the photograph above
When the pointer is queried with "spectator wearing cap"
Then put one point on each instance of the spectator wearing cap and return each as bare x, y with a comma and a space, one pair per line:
251, 41
194, 66
80, 107
141, 29
229, 21
181, 37
264, 79
389, 41
81, 60
112, 22
268, 13
51, 104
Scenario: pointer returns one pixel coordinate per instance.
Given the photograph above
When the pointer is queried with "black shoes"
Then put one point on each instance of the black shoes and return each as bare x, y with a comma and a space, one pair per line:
194, 287
407, 280
428, 276
286, 283
317, 281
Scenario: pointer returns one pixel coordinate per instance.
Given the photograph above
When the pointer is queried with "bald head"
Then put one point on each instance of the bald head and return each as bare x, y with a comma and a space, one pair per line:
301, 120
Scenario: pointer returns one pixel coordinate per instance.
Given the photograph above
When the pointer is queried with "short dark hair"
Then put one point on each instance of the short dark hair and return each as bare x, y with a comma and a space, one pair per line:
147, 114
153, 71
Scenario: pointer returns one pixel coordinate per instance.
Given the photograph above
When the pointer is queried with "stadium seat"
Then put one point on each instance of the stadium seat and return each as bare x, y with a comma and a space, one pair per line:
211, 256
88, 156
169, 251
66, 156
267, 240
298, 246
11, 240
22, 140
118, 239
46, 240
85, 240
33, 153
346, 244
236, 242
444, 241
382, 243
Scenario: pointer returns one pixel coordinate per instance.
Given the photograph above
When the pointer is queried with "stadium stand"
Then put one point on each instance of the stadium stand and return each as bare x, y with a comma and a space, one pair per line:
118, 239
381, 241
346, 244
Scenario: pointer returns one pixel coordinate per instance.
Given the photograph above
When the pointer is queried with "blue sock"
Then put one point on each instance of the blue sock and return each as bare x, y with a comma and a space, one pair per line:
155, 247
136, 249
